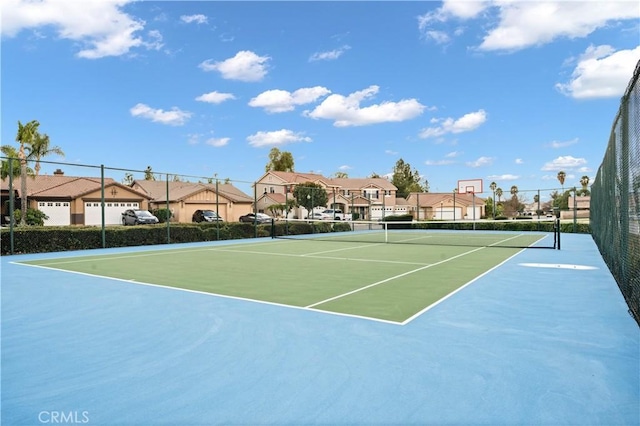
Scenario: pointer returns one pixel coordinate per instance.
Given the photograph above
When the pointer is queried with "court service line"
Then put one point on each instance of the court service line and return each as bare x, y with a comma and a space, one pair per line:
437, 302
413, 271
340, 249
205, 293
311, 256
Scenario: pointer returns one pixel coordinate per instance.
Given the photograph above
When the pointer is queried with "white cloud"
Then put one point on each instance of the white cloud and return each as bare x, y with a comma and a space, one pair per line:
526, 24
438, 162
215, 97
274, 101
564, 163
503, 177
454, 154
244, 66
101, 28
174, 117
519, 161
275, 138
198, 19
601, 72
217, 142
466, 123
346, 110
515, 25
330, 55
345, 167
563, 144
480, 162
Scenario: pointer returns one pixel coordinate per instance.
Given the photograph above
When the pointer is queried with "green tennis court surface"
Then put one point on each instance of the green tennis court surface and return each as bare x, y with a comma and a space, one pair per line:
388, 282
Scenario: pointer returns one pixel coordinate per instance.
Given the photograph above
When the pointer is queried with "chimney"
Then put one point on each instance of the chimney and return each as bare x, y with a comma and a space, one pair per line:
58, 172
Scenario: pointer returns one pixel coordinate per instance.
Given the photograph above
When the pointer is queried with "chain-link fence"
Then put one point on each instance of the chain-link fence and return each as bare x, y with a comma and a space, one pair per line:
615, 200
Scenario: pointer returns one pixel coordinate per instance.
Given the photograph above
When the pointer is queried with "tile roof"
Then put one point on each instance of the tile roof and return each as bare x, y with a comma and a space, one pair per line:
60, 186
157, 190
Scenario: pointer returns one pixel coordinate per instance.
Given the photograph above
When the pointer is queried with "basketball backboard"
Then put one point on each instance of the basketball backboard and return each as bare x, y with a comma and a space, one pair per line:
470, 186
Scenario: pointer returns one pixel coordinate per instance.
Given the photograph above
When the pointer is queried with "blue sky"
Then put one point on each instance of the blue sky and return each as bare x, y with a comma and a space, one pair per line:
510, 92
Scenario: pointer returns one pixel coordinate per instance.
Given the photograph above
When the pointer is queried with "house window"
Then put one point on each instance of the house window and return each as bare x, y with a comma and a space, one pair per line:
272, 190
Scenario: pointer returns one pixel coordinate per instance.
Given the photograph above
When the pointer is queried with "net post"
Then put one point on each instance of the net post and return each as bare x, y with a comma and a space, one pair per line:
556, 234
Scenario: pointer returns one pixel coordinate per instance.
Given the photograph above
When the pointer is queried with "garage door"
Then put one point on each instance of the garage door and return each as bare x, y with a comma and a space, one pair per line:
59, 212
447, 213
112, 212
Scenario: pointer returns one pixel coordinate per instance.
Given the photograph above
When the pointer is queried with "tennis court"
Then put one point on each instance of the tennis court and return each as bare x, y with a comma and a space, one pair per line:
351, 273
297, 331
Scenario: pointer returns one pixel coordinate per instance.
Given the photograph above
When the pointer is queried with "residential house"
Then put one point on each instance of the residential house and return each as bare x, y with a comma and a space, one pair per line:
73, 200
366, 198
445, 206
184, 198
579, 207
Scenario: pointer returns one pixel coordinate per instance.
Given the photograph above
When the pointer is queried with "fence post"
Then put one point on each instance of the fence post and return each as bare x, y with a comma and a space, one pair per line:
102, 205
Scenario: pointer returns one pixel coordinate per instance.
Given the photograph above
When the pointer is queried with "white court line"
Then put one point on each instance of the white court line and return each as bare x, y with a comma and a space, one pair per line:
223, 296
404, 274
313, 256
392, 278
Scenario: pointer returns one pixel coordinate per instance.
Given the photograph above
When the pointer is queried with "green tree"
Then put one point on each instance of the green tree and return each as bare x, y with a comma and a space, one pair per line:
374, 175
310, 195
340, 175
514, 191
279, 161
499, 193
584, 181
493, 187
41, 148
406, 179
128, 179
26, 136
148, 174
561, 177
10, 152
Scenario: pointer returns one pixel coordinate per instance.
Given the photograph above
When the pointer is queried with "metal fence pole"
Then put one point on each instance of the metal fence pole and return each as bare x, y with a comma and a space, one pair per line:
12, 206
102, 206
167, 214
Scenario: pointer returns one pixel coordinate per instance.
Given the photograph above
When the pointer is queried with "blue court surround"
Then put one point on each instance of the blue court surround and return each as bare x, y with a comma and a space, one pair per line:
520, 345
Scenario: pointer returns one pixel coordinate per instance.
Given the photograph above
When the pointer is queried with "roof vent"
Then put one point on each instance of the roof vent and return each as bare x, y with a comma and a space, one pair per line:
58, 172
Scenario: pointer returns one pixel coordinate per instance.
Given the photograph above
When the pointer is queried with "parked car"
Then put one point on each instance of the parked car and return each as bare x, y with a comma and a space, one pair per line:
206, 216
138, 217
258, 217
335, 215
318, 216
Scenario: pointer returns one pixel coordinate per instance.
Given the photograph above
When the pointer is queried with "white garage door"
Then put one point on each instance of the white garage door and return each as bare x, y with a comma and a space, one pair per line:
59, 212
447, 213
112, 212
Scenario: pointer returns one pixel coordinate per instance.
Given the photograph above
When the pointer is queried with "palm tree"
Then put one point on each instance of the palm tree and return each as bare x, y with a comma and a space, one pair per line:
561, 177
514, 191
40, 148
584, 181
27, 135
493, 187
499, 193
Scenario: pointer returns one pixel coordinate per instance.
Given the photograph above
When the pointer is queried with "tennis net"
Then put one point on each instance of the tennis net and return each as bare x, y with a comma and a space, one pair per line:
480, 233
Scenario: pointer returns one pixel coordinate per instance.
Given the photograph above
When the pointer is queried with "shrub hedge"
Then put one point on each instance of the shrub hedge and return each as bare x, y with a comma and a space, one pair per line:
40, 239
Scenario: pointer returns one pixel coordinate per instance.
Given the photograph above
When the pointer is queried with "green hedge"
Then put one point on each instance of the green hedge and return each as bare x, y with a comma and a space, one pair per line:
41, 239
32, 239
